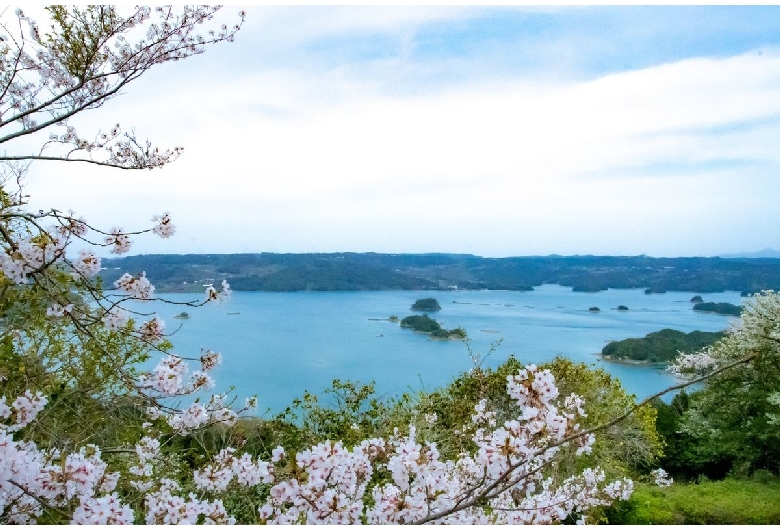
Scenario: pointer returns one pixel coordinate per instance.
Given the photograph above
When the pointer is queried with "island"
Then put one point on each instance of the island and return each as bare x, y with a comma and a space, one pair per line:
696, 299
721, 308
622, 308
594, 309
426, 304
659, 346
426, 324
182, 316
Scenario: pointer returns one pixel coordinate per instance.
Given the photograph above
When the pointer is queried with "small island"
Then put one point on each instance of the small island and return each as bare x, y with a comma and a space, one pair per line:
696, 299
622, 308
426, 304
594, 309
659, 346
721, 308
182, 316
428, 325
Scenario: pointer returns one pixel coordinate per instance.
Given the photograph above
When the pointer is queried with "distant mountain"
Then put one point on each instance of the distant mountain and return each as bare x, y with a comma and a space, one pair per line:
765, 253
348, 271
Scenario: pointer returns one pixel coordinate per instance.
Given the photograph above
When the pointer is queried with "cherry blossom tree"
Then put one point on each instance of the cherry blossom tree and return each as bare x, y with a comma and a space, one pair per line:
733, 418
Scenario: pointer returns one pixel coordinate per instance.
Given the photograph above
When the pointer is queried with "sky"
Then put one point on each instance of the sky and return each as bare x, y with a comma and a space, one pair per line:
502, 131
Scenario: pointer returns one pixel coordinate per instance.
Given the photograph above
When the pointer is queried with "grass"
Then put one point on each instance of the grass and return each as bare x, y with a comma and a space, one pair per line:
729, 501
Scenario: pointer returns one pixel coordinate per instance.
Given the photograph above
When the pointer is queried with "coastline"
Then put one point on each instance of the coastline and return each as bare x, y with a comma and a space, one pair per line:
631, 362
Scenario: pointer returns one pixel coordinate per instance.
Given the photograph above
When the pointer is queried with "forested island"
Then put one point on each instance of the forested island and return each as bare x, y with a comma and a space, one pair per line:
659, 346
426, 324
722, 308
426, 304
371, 272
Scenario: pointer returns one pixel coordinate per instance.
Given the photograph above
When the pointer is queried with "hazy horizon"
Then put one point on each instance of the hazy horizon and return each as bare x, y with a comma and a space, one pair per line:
763, 253
493, 131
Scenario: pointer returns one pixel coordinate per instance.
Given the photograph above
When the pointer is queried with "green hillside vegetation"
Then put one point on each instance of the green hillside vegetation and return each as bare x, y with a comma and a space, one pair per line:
722, 308
660, 346
426, 304
730, 501
348, 271
426, 324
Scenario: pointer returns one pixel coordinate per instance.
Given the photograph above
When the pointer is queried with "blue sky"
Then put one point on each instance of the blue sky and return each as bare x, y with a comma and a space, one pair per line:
493, 131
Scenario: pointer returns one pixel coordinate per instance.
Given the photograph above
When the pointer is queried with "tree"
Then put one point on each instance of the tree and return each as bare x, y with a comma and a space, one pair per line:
65, 345
734, 417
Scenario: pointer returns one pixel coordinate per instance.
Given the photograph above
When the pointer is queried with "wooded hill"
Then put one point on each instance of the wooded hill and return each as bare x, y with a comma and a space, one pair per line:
369, 271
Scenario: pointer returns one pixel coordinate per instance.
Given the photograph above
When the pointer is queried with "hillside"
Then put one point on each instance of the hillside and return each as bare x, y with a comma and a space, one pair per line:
369, 271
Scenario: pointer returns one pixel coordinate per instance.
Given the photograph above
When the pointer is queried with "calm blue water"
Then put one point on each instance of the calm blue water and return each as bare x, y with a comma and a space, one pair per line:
280, 344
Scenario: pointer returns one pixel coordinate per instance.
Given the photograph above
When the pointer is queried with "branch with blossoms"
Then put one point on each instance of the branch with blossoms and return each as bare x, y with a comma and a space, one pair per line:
84, 60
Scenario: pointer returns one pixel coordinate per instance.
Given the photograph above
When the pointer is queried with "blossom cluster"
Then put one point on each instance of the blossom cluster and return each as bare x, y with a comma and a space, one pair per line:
139, 288
50, 91
30, 256
503, 481
757, 333
31, 478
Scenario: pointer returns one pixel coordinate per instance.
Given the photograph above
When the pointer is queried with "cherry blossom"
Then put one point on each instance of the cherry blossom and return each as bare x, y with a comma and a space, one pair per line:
118, 240
164, 227
139, 288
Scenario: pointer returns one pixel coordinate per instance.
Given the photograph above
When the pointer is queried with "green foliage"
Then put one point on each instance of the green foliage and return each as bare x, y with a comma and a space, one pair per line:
420, 323
730, 501
347, 411
77, 36
732, 420
426, 304
660, 346
458, 332
632, 444
84, 372
426, 324
351, 411
722, 308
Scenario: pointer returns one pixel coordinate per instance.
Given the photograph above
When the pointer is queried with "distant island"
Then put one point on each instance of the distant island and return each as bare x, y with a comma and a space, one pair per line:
426, 324
347, 271
182, 316
426, 304
659, 346
722, 308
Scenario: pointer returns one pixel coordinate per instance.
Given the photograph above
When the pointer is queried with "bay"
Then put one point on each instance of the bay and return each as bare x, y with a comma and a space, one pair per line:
277, 345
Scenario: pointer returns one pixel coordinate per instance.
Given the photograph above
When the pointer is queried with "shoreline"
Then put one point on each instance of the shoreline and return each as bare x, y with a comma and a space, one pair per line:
632, 362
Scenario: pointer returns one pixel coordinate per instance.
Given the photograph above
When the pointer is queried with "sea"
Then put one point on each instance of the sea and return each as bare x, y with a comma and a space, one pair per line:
277, 345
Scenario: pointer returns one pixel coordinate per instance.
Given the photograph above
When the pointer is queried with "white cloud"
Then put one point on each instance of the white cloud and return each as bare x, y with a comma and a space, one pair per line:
327, 160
